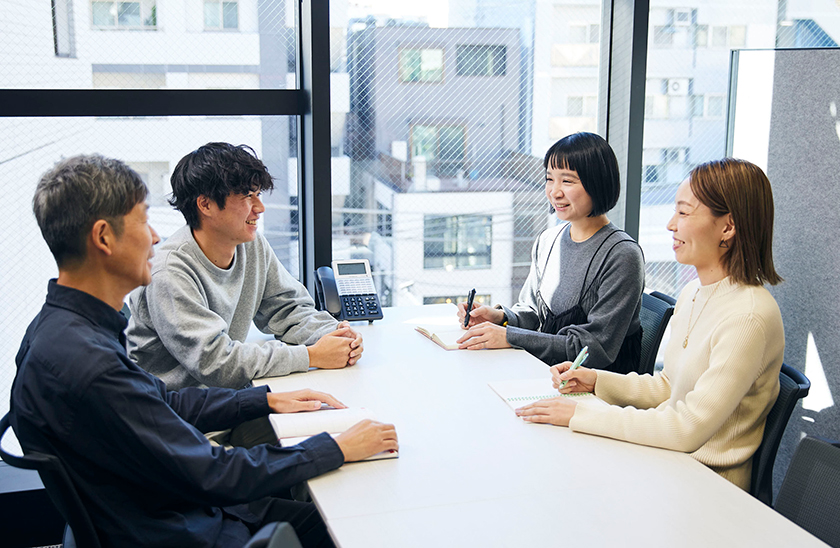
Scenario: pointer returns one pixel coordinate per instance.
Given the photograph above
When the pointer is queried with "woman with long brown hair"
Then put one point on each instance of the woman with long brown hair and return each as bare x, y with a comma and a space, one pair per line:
721, 374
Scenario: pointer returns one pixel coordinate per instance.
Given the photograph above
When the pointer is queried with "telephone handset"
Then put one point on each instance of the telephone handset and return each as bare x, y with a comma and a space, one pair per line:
346, 290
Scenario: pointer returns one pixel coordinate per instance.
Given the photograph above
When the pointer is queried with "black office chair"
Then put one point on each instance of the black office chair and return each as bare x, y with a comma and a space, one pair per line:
810, 493
667, 298
654, 316
793, 386
275, 535
79, 530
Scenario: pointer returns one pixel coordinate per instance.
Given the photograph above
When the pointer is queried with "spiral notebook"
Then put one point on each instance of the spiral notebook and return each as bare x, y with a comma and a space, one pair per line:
520, 392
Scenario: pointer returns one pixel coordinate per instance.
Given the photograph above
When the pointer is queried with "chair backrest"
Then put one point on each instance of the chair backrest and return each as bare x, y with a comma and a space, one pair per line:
59, 487
275, 535
810, 493
793, 386
667, 298
654, 317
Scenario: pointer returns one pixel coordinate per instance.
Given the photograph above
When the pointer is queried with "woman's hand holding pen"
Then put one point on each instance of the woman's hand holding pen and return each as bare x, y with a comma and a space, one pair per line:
579, 380
480, 313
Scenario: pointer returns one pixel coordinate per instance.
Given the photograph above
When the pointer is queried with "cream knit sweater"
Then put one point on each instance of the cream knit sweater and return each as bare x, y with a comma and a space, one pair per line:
712, 397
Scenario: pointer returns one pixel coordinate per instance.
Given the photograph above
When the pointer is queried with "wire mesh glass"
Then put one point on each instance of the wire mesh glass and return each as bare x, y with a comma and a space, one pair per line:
442, 112
144, 44
687, 94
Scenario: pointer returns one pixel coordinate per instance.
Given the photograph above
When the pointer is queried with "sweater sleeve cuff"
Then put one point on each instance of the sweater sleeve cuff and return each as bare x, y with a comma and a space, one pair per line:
583, 418
253, 402
326, 454
607, 383
516, 336
599, 420
299, 361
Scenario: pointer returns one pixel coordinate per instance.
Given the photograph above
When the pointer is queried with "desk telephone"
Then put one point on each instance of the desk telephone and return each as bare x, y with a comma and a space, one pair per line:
346, 290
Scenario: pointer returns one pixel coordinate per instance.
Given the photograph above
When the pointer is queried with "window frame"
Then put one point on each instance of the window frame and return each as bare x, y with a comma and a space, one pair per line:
493, 62
221, 14
152, 14
461, 222
401, 72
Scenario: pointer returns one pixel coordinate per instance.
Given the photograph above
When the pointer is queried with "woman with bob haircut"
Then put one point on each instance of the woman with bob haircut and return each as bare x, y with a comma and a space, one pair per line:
721, 374
587, 276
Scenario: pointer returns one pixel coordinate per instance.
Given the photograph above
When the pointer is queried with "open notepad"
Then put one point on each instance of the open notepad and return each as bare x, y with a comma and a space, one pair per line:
443, 331
293, 428
521, 392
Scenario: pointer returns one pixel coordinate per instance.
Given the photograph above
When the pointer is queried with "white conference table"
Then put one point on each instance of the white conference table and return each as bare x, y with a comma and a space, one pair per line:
471, 473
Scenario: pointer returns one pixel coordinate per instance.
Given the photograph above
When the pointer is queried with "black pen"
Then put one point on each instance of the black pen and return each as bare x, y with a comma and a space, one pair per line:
470, 299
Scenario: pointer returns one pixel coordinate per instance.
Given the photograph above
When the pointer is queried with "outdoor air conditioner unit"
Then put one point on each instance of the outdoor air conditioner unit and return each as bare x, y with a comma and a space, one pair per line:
677, 86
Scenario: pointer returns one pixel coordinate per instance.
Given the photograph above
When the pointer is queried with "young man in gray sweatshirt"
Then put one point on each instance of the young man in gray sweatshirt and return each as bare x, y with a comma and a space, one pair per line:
216, 275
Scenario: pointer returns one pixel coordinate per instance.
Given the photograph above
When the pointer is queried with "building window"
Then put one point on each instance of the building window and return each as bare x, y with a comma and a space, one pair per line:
680, 17
63, 37
729, 37
460, 241
219, 15
708, 106
715, 106
719, 37
737, 37
129, 80
581, 106
444, 148
657, 106
701, 36
383, 221
654, 174
696, 106
124, 15
677, 155
584, 34
481, 60
421, 65
663, 35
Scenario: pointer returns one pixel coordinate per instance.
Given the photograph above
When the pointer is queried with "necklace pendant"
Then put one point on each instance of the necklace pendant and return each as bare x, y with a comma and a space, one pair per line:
685, 342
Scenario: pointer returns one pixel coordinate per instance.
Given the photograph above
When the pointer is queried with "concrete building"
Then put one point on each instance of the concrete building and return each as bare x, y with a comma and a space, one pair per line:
433, 136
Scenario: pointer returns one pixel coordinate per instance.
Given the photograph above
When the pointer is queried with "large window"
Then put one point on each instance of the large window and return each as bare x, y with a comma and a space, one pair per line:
481, 60
462, 241
61, 45
421, 65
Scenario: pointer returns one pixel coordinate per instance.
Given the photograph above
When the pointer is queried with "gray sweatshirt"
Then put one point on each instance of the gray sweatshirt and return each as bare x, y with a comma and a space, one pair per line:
189, 325
612, 304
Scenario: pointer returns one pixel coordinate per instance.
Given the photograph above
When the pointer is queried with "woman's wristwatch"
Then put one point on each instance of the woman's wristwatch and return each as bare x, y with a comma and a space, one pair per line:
504, 315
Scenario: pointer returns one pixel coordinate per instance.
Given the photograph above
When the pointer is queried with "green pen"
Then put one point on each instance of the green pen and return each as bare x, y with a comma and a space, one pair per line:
581, 357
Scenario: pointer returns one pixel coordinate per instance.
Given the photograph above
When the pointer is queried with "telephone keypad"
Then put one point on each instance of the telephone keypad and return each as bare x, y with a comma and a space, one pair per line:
356, 306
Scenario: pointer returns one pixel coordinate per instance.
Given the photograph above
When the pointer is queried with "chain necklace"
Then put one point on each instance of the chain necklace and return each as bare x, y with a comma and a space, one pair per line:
693, 300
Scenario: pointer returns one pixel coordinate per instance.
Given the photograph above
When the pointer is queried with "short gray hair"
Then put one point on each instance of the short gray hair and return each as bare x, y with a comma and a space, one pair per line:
75, 194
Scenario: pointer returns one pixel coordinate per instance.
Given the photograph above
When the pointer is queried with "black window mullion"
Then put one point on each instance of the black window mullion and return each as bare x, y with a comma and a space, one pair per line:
151, 102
